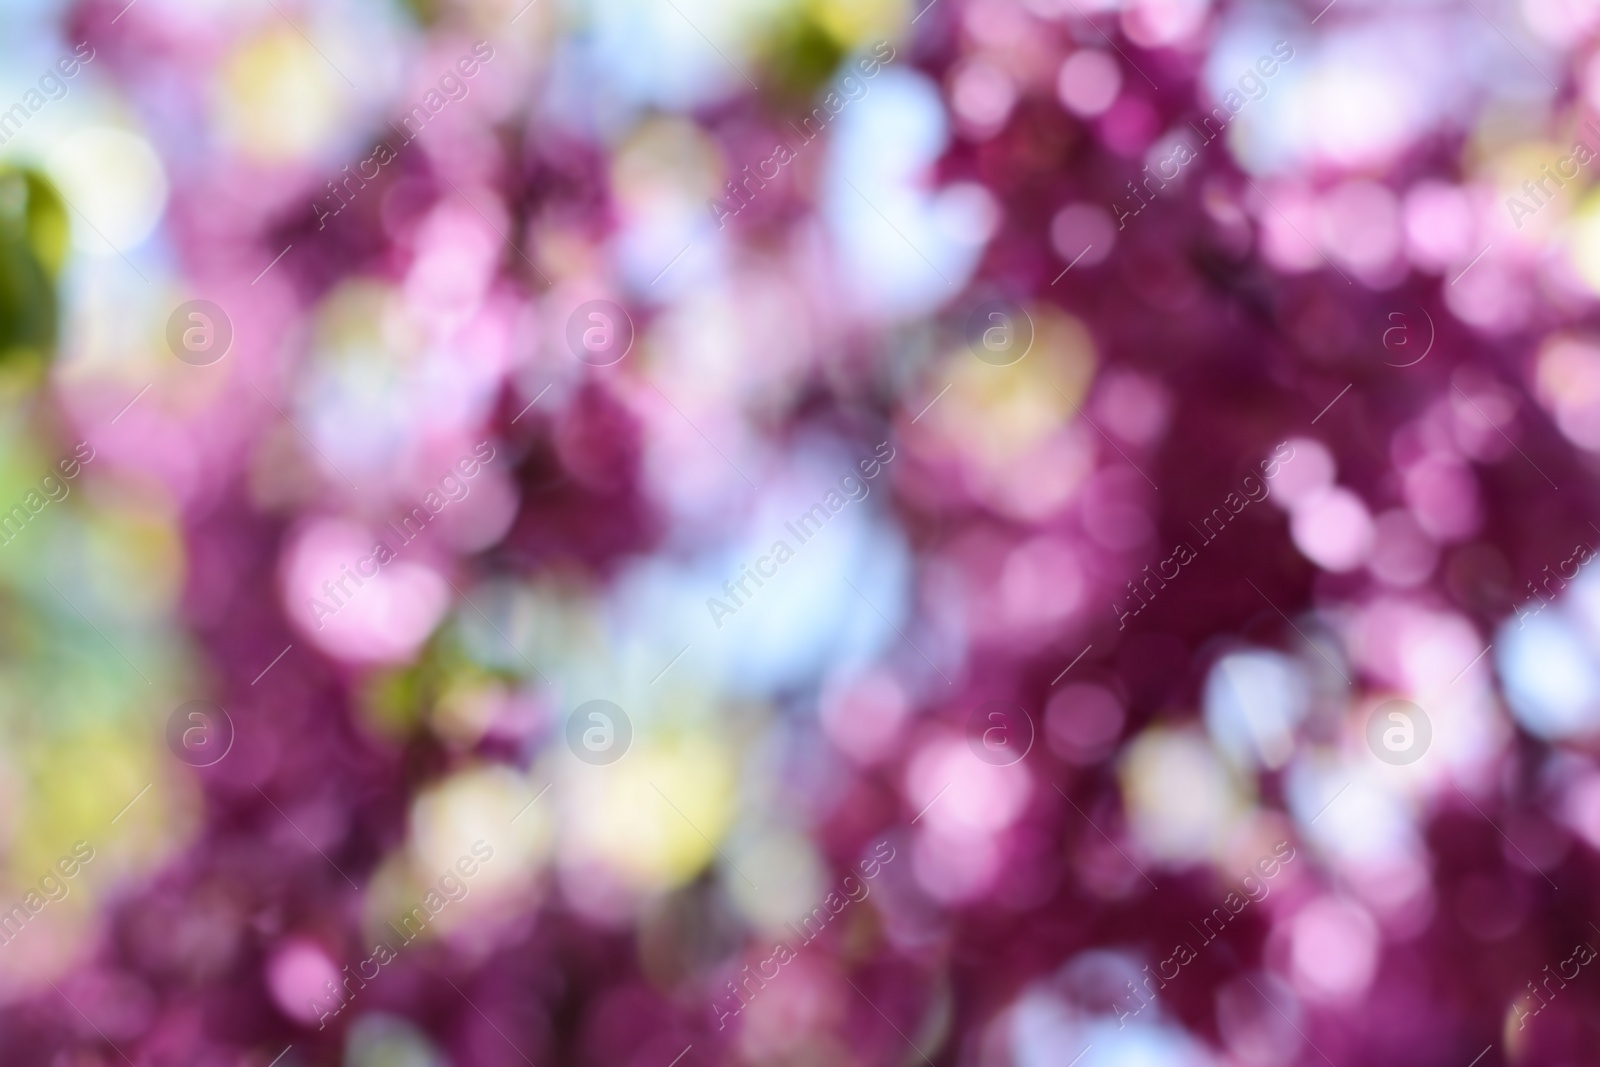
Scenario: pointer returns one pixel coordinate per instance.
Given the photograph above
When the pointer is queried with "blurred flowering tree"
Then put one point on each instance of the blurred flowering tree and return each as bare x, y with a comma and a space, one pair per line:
994, 531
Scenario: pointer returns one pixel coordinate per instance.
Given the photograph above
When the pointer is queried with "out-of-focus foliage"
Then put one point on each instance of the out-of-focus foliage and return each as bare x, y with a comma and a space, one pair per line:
33, 246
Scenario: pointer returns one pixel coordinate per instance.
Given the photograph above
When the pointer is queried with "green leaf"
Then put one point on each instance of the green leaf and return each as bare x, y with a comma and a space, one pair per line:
34, 230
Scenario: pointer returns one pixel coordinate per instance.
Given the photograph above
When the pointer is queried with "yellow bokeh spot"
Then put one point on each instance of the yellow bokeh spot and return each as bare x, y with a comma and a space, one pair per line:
666, 163
1014, 408
483, 814
277, 99
859, 23
1584, 241
80, 782
467, 708
1183, 804
656, 816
